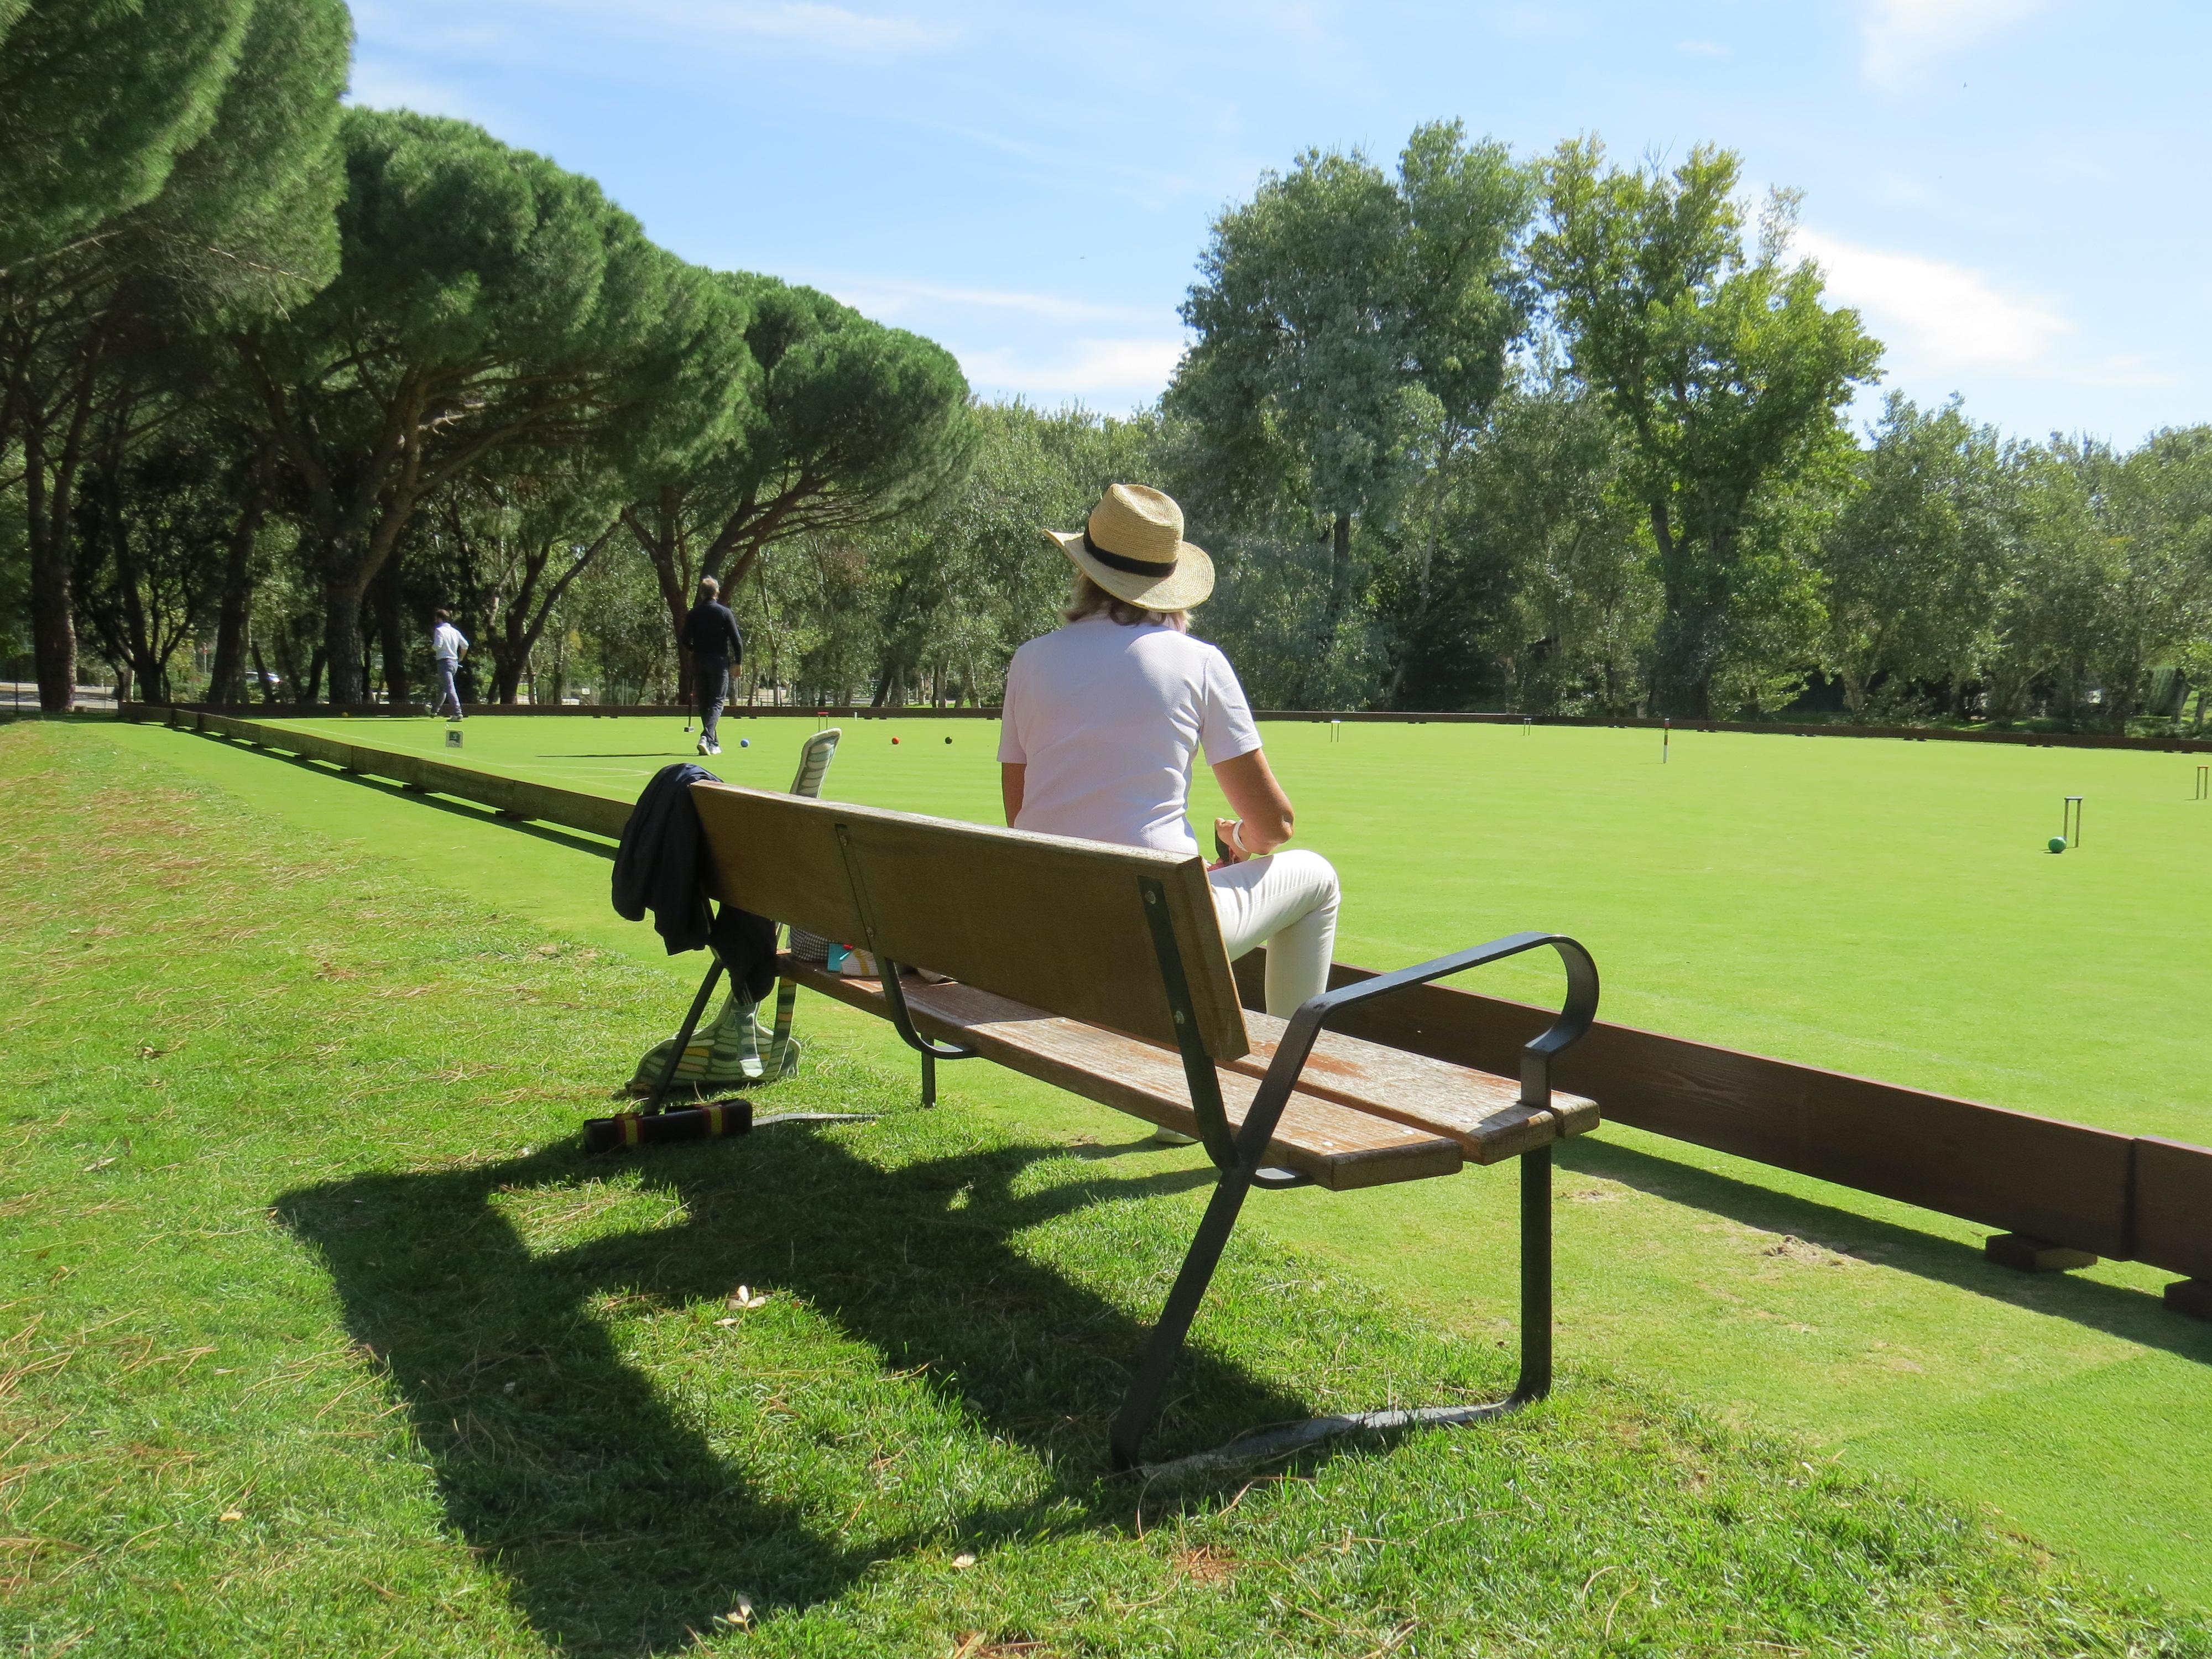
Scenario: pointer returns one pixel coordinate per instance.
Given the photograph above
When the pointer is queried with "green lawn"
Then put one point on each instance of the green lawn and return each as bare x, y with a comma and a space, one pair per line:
2073, 1406
318, 1337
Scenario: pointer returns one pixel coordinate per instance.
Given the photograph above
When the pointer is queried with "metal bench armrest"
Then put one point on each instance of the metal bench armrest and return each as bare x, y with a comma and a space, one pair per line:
1577, 1015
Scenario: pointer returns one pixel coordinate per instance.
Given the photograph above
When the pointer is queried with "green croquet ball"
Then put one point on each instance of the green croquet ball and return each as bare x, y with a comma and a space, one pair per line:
948, 740
2059, 843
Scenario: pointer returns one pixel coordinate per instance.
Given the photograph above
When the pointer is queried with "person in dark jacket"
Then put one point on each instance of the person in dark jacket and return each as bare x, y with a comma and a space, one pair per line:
710, 635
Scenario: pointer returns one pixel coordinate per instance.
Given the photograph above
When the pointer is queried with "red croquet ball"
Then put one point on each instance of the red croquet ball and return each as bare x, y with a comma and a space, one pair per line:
894, 739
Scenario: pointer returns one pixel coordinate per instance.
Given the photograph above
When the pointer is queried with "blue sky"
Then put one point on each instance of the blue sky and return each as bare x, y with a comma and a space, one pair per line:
2013, 192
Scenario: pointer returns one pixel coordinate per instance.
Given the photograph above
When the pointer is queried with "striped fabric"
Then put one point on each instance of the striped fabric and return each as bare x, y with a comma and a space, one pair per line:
814, 757
735, 1051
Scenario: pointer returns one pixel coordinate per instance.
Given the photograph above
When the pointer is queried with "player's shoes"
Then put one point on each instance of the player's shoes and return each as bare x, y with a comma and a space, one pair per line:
707, 747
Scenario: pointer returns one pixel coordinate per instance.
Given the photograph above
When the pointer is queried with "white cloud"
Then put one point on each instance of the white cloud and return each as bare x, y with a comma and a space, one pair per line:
1132, 371
1935, 315
1702, 48
1940, 322
1903, 39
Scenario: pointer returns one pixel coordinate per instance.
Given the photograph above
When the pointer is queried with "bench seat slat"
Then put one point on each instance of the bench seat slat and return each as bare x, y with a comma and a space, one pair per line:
1339, 1147
1480, 1110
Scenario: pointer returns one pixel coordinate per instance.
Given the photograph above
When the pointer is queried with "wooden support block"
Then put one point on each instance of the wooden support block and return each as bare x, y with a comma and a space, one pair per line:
415, 788
2029, 1255
2192, 1297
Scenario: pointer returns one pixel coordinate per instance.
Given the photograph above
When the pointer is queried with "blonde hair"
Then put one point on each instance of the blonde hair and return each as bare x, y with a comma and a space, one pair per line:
1093, 600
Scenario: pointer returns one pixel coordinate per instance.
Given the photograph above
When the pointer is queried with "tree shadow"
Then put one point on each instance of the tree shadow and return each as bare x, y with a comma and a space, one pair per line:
619, 1524
2131, 1314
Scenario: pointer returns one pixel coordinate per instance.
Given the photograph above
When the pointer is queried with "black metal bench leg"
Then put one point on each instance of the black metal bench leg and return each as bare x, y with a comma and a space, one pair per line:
1535, 1380
682, 1039
1148, 1388
928, 1079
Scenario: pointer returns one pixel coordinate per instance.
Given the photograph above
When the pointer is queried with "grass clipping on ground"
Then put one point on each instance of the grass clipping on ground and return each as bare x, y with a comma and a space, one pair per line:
317, 1335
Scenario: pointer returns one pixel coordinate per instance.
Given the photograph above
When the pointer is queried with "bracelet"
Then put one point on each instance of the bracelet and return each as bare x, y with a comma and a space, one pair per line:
1237, 837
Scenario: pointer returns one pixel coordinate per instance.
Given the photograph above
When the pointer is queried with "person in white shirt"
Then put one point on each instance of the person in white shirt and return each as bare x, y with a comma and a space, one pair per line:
1104, 716
447, 647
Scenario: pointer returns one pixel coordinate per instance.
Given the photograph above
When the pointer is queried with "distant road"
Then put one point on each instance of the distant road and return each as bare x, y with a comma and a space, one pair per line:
24, 694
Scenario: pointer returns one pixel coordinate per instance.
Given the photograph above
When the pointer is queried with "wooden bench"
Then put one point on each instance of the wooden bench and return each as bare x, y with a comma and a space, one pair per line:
1101, 969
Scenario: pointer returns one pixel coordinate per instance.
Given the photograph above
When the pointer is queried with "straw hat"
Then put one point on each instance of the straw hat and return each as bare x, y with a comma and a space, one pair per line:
1133, 547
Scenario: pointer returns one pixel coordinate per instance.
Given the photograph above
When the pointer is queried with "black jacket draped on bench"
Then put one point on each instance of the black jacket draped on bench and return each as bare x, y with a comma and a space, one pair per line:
661, 866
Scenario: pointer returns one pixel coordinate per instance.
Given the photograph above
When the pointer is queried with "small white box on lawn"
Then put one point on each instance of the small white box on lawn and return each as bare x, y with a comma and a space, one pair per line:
452, 737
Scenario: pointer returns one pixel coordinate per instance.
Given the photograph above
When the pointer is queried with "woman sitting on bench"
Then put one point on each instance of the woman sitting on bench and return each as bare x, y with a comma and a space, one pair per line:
1102, 719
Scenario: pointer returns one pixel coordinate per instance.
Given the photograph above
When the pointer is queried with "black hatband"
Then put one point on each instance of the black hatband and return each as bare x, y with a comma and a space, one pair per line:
1124, 564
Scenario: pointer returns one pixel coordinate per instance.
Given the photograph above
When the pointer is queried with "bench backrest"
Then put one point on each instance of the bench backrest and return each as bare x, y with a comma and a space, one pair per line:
1059, 924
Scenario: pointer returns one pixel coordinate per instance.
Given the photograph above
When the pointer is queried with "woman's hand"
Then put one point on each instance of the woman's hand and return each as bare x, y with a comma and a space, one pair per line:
1226, 835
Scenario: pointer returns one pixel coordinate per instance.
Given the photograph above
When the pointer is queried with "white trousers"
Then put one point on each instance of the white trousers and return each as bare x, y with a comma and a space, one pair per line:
1287, 901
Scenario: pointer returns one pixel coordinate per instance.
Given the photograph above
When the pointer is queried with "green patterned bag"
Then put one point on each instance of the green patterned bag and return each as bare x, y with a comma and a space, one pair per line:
736, 1050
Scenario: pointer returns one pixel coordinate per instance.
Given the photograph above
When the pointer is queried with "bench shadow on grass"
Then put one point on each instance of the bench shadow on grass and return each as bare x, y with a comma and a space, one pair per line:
619, 1525
2117, 1310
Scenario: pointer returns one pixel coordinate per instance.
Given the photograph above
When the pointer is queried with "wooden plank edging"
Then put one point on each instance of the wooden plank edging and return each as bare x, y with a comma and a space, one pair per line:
2126, 1197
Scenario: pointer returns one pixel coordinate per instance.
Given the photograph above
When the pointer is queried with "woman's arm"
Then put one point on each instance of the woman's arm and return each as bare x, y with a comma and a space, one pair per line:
1263, 811
1012, 777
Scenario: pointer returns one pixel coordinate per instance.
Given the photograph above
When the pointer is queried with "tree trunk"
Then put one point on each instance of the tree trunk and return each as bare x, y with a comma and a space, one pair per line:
349, 565
1442, 487
1339, 580
1682, 671
341, 646
226, 682
49, 491
54, 628
391, 633
663, 545
53, 622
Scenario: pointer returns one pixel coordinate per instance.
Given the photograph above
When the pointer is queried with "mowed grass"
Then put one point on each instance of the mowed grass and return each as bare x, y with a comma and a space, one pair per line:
1887, 907
317, 1337
2073, 1404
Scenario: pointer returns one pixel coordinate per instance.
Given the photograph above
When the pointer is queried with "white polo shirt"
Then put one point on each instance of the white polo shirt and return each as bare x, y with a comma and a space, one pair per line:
1108, 720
